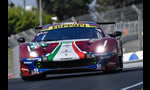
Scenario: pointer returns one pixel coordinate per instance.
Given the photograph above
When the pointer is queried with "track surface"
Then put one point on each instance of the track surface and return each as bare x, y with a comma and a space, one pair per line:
83, 81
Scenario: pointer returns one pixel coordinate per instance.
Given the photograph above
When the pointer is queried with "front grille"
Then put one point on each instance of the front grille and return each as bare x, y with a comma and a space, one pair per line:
66, 64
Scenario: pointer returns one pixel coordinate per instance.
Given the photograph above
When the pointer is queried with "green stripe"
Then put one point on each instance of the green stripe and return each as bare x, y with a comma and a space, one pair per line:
51, 56
67, 42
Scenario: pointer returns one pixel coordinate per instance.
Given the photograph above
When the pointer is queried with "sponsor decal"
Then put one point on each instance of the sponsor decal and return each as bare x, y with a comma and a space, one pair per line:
39, 59
27, 62
99, 66
67, 25
37, 45
65, 59
34, 45
35, 71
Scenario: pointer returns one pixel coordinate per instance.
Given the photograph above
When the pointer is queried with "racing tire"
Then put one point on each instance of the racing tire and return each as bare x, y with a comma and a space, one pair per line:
120, 65
117, 68
32, 78
119, 58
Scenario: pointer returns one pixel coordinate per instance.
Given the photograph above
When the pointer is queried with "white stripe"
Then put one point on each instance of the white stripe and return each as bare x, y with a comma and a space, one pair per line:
29, 50
132, 86
43, 37
105, 42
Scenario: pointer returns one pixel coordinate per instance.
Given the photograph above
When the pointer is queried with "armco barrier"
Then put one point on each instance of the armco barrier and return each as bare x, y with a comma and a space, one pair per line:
133, 56
129, 38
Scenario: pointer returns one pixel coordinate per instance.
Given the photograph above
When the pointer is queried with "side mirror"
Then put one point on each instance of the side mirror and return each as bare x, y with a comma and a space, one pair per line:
21, 40
116, 34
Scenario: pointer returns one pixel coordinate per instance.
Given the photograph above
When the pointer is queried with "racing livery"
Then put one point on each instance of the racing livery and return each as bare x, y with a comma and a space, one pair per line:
72, 45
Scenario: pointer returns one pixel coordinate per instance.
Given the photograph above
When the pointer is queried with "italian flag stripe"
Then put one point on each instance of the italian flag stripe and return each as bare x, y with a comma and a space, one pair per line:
80, 53
53, 54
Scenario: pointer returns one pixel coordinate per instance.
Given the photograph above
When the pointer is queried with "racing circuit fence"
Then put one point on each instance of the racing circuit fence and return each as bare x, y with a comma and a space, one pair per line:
118, 15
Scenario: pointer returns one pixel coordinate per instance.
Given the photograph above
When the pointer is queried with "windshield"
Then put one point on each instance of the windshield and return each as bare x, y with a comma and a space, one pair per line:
67, 34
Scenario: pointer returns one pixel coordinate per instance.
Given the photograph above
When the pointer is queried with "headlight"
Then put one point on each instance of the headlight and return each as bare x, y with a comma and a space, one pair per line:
33, 54
100, 49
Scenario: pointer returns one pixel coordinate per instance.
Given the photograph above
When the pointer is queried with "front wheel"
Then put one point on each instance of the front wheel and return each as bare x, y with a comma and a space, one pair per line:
35, 77
120, 64
117, 68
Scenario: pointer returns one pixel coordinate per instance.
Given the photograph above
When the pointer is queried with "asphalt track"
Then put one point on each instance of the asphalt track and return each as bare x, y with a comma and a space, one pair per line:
129, 79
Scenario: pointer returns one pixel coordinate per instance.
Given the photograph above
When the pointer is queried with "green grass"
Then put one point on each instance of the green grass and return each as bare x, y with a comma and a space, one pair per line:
10, 58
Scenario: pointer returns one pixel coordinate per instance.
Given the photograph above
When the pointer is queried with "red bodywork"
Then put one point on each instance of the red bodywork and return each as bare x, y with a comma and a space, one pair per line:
90, 45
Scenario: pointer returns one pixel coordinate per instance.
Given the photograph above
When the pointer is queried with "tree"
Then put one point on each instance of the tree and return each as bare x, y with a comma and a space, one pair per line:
21, 20
65, 8
10, 4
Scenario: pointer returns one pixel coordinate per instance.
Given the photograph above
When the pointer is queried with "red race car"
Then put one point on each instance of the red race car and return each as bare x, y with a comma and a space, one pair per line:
72, 45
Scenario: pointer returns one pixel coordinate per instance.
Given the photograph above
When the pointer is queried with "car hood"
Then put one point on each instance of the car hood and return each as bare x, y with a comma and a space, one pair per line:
66, 49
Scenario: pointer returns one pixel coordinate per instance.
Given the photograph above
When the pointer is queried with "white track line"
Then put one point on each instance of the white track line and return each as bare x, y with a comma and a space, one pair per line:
132, 86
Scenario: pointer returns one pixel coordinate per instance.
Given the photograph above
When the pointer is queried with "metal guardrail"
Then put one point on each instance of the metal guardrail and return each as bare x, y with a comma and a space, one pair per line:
28, 35
129, 38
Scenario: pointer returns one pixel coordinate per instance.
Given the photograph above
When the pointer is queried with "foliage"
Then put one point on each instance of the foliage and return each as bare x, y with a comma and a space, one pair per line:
20, 20
114, 4
10, 4
65, 8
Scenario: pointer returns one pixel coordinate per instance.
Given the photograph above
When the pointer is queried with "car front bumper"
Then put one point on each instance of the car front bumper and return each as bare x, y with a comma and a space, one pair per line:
34, 66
